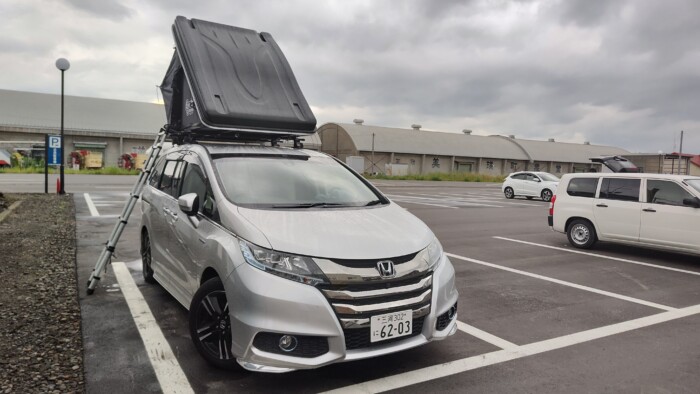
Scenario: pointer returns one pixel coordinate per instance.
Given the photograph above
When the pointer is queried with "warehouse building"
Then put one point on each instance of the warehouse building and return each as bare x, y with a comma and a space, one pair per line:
414, 151
101, 132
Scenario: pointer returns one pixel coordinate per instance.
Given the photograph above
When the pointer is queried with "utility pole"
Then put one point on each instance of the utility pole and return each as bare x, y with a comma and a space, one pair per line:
372, 153
680, 153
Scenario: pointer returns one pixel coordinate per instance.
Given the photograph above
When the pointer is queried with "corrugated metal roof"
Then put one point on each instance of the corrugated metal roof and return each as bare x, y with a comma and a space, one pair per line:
387, 139
396, 140
40, 110
567, 152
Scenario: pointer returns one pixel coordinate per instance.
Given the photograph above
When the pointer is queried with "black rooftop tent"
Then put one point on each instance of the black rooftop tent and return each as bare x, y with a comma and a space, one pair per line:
229, 83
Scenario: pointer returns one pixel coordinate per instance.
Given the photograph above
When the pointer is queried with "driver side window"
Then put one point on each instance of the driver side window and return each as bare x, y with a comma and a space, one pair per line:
195, 182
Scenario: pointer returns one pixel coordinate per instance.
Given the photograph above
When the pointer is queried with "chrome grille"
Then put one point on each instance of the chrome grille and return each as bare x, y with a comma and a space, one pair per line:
356, 304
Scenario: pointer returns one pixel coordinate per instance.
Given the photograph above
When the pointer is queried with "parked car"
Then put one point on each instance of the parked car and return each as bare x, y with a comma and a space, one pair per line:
530, 184
287, 259
654, 210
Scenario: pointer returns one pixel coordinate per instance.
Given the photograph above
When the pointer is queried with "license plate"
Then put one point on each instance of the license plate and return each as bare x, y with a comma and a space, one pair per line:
391, 325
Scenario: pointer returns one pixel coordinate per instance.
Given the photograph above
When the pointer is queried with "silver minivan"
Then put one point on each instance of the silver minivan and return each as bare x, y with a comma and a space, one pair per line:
287, 259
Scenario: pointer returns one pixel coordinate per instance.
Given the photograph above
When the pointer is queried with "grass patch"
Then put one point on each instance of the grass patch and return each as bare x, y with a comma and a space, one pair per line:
439, 176
91, 171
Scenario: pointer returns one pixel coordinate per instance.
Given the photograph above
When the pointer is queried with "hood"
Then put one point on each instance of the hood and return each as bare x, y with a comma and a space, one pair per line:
365, 233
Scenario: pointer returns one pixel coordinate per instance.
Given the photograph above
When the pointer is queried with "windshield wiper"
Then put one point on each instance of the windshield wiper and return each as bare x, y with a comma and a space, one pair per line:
373, 202
310, 205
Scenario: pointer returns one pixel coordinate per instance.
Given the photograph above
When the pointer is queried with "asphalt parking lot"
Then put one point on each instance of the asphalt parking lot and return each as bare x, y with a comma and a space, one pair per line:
536, 315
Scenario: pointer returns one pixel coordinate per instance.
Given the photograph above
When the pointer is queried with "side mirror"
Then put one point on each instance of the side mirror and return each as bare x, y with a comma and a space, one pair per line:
537, 180
692, 202
189, 204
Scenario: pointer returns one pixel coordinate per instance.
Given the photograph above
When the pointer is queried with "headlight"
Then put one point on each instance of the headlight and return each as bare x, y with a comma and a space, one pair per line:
297, 268
434, 253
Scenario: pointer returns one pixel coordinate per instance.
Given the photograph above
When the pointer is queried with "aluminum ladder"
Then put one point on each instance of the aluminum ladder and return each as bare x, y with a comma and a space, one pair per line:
108, 251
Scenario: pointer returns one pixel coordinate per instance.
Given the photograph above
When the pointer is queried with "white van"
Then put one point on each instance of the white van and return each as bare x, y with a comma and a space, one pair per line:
654, 210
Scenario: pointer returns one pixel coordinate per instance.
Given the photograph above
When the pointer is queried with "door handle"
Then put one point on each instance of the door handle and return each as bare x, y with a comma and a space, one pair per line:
649, 210
601, 205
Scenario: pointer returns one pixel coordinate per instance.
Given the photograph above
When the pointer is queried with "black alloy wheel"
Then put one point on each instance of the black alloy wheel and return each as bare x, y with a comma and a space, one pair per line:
210, 325
146, 258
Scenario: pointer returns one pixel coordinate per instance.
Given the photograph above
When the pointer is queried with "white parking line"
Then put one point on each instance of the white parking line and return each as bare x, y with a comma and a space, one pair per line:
168, 371
470, 363
408, 200
91, 205
419, 200
485, 336
461, 202
601, 256
565, 283
491, 200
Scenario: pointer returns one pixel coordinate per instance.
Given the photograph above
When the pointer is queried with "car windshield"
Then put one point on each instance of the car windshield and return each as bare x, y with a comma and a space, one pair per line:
695, 183
548, 177
283, 182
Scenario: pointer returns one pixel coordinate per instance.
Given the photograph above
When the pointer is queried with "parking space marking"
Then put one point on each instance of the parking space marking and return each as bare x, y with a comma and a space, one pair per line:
91, 205
601, 256
433, 201
459, 201
565, 283
410, 201
496, 199
485, 336
168, 371
470, 363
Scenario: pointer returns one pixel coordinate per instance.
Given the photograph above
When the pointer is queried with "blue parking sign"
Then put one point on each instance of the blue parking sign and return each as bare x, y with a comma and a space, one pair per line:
54, 150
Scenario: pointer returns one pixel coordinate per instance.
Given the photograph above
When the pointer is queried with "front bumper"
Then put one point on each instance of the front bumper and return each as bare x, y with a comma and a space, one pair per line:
263, 303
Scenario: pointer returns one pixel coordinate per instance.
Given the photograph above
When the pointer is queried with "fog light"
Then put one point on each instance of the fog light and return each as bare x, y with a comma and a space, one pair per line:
288, 343
452, 312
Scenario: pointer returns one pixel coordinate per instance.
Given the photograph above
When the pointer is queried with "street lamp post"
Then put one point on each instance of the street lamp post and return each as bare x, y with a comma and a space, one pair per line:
63, 65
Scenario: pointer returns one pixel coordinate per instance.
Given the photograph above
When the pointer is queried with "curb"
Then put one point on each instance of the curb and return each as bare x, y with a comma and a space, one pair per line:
9, 210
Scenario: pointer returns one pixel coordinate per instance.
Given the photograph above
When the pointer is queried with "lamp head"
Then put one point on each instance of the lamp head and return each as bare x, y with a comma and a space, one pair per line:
62, 64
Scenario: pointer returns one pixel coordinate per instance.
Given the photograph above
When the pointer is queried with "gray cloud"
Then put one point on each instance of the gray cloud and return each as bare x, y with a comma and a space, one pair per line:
108, 9
613, 72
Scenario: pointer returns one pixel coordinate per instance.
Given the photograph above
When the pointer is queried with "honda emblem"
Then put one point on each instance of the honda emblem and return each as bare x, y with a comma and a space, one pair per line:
386, 269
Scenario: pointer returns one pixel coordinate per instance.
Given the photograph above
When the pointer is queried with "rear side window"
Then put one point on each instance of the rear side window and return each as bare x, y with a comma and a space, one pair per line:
170, 181
666, 193
519, 177
582, 187
157, 172
620, 189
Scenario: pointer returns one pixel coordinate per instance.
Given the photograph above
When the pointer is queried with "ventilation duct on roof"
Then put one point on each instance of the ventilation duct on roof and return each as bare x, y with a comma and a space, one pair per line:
512, 136
416, 126
358, 121
586, 142
467, 131
551, 140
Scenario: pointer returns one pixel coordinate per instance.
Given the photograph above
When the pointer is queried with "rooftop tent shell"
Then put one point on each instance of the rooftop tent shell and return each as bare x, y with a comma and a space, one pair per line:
225, 82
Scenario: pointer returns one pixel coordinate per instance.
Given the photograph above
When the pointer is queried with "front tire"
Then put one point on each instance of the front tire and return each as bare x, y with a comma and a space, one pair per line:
546, 195
210, 325
581, 234
509, 193
147, 269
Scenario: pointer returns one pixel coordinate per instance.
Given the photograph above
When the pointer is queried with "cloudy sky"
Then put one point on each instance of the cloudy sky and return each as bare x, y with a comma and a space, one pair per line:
623, 73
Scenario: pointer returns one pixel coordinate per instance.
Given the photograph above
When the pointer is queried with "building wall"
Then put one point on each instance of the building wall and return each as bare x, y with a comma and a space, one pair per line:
115, 145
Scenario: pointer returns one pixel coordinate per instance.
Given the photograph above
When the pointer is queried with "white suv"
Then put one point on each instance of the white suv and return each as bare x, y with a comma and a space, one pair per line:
652, 210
